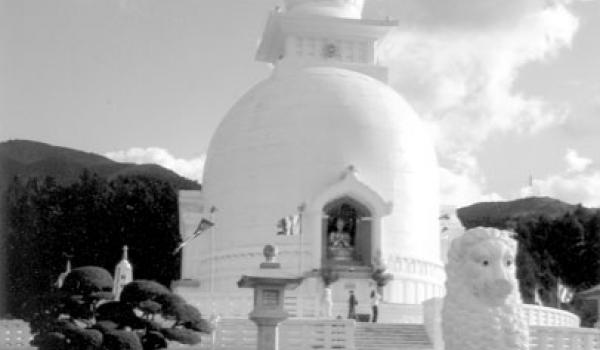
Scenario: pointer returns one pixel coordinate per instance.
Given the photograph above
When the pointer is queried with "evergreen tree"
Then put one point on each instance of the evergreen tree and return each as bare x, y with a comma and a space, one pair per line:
89, 220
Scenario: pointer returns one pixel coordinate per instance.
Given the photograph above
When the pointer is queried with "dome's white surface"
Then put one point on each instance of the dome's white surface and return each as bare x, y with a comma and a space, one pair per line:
291, 137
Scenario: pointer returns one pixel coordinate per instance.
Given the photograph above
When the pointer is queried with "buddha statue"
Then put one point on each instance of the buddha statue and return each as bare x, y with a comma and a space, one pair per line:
339, 238
340, 246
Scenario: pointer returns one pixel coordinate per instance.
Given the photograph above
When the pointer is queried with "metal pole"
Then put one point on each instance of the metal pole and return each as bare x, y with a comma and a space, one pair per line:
212, 252
300, 305
558, 293
301, 238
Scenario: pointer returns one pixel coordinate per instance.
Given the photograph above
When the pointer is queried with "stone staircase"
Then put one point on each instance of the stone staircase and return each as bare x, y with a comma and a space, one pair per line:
382, 336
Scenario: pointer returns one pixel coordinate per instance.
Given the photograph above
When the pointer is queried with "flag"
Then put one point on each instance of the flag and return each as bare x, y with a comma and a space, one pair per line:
289, 225
203, 225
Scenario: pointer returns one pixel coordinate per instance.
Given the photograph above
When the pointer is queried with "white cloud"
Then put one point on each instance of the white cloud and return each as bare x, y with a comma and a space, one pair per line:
456, 62
581, 188
190, 168
459, 74
579, 183
575, 162
462, 183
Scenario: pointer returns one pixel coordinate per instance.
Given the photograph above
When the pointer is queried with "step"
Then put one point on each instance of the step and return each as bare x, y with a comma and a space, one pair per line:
381, 336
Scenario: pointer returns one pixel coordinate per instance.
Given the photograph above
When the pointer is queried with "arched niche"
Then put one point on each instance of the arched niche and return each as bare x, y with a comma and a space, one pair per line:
346, 216
350, 190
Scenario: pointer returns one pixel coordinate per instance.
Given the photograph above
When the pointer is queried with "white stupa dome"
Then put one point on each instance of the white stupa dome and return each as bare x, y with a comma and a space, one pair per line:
323, 141
291, 137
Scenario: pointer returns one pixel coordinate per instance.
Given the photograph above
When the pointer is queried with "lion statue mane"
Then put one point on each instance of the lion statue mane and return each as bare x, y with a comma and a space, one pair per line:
482, 308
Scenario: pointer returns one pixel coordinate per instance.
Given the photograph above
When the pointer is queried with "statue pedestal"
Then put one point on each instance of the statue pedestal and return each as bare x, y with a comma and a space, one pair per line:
341, 254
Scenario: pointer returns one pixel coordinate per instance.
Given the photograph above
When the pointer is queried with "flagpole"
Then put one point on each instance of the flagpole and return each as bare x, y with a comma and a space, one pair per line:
300, 306
558, 293
212, 253
301, 238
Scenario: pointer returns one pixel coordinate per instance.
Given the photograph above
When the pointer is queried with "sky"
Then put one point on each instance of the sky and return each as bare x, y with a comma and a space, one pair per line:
508, 89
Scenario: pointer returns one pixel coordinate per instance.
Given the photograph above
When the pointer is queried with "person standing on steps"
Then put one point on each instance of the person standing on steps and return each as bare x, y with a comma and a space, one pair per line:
352, 302
375, 297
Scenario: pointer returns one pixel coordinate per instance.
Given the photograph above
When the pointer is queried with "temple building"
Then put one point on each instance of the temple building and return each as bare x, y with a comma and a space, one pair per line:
326, 161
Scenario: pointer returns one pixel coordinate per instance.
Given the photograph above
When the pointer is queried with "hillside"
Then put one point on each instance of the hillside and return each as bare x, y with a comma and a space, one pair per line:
498, 213
28, 159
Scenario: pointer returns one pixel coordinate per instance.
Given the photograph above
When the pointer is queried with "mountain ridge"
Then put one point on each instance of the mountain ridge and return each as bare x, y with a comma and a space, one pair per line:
498, 214
29, 159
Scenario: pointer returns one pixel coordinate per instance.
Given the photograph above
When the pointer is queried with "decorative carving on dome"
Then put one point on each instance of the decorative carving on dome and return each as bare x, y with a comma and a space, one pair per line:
350, 184
330, 50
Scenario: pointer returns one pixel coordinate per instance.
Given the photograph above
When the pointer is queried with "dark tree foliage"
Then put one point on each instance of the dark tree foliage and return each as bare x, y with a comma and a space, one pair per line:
89, 220
90, 282
153, 299
565, 249
157, 305
61, 319
122, 340
58, 323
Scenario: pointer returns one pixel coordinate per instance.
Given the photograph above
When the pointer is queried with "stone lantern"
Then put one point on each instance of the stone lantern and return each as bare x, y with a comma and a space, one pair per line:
269, 285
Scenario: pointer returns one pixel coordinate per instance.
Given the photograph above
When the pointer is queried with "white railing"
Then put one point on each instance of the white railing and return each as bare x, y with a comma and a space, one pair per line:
562, 338
400, 313
547, 316
306, 334
296, 334
226, 305
14, 334
239, 304
536, 315
302, 306
235, 334
549, 328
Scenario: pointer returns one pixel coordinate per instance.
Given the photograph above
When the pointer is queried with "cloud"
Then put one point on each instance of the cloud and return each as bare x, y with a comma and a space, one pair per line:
572, 188
457, 61
575, 162
459, 71
463, 183
579, 183
190, 168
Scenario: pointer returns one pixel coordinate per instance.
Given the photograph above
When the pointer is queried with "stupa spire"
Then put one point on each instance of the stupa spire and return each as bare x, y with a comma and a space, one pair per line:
324, 33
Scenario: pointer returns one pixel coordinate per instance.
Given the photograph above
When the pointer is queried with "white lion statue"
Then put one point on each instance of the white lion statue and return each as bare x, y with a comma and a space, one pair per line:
483, 309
